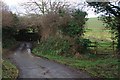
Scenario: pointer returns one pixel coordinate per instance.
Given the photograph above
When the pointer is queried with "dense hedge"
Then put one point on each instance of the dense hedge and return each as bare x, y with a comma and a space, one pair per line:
63, 47
8, 37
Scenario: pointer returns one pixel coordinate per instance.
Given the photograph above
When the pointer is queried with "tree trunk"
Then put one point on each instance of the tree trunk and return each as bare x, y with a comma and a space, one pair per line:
118, 46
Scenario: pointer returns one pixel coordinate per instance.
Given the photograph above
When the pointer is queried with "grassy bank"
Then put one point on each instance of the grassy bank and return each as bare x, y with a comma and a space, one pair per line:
103, 67
9, 70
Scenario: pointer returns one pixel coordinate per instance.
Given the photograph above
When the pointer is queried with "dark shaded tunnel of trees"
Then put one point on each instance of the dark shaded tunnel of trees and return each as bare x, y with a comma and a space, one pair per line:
24, 35
21, 35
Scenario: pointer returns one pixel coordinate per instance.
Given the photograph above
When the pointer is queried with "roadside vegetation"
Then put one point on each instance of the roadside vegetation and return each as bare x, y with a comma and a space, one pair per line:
98, 67
9, 70
104, 64
62, 32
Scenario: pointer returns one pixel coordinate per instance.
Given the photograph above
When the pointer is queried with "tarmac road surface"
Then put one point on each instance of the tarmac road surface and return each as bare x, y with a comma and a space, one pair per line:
37, 67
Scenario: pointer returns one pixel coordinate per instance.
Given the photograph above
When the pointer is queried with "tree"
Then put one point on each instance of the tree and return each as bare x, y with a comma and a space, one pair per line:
111, 15
6, 15
57, 19
9, 22
8, 18
75, 26
44, 6
74, 29
15, 21
47, 13
29, 20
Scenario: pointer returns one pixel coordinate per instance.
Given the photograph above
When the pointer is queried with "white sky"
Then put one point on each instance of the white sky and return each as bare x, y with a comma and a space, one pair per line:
14, 5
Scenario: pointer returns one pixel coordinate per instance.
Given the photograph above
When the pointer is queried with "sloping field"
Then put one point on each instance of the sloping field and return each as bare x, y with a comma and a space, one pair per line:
95, 30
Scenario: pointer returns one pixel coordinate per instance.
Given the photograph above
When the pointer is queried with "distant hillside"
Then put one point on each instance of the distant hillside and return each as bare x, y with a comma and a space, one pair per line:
95, 30
94, 23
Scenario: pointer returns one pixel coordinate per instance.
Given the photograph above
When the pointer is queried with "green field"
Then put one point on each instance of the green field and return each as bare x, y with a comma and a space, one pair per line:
96, 31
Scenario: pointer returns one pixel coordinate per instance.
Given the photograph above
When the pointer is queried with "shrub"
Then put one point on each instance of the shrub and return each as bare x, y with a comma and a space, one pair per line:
7, 43
9, 71
83, 45
7, 37
53, 46
75, 27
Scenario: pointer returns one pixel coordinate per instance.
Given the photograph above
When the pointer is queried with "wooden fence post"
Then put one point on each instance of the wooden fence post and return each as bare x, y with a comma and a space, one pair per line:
95, 47
113, 46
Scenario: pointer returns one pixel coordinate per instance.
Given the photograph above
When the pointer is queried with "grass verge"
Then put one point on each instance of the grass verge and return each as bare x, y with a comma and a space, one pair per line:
106, 67
9, 70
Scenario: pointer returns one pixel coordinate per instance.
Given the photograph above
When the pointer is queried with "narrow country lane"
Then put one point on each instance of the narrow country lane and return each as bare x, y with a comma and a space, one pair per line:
36, 67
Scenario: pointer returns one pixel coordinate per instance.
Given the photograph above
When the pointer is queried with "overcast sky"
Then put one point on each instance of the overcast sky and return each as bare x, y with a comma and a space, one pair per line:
14, 5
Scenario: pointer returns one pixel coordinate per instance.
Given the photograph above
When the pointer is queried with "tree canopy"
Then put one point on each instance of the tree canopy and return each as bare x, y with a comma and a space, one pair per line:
111, 16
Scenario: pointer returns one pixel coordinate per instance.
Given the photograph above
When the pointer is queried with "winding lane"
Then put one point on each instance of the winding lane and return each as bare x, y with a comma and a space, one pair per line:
37, 67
